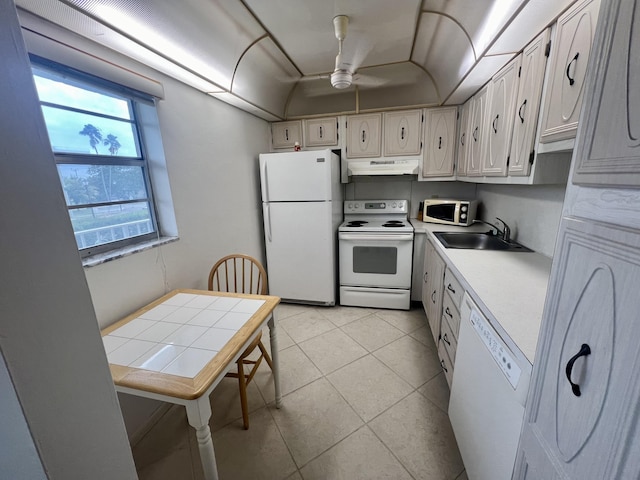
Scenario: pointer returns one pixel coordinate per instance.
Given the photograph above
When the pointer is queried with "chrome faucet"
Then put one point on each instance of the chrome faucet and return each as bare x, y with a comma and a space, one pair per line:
505, 233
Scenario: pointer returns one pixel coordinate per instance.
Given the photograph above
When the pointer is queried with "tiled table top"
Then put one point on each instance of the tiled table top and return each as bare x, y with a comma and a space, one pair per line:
180, 335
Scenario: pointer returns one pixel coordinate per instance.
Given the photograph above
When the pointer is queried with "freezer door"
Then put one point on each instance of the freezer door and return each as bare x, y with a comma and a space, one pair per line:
300, 243
298, 176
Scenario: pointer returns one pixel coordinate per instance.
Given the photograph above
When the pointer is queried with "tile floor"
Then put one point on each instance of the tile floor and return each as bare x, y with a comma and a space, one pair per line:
363, 398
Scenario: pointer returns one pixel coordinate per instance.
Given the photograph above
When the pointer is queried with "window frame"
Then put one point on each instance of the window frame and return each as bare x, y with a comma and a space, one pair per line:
134, 98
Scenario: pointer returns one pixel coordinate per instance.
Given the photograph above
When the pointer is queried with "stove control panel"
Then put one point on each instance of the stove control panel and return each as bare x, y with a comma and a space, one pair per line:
376, 206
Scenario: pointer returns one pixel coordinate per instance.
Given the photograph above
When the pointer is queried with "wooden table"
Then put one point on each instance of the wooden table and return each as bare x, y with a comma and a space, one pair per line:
179, 347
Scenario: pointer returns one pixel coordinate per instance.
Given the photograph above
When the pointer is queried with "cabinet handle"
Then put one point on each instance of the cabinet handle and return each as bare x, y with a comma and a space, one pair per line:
575, 59
433, 296
520, 110
364, 135
402, 133
426, 274
475, 134
584, 351
450, 288
446, 340
448, 312
286, 134
321, 132
462, 139
443, 367
439, 143
495, 129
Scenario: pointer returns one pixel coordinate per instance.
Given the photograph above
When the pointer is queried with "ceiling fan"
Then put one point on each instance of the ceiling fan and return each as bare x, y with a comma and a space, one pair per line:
344, 73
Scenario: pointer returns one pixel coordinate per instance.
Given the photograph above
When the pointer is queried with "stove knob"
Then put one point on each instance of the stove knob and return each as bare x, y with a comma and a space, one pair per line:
350, 206
463, 216
463, 208
383, 205
394, 205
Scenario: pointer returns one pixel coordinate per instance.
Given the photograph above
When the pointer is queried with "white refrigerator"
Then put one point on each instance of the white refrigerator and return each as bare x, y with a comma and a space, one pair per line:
302, 209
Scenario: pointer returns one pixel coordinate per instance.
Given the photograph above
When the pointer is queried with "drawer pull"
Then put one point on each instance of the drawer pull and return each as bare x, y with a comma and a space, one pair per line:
443, 367
446, 340
433, 296
584, 351
448, 312
451, 289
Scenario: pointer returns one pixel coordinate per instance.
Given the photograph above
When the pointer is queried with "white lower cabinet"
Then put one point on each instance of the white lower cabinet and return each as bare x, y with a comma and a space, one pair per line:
433, 286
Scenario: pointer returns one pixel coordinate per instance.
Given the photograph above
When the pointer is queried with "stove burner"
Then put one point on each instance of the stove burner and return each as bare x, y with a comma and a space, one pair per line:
393, 224
356, 223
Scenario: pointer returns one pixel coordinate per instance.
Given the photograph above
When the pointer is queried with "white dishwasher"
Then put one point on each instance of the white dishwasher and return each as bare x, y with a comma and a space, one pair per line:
488, 394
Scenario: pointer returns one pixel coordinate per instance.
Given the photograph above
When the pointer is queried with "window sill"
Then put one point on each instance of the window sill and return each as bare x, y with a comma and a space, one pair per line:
99, 259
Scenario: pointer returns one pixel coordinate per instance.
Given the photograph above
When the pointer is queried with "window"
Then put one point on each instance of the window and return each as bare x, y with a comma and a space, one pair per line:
96, 140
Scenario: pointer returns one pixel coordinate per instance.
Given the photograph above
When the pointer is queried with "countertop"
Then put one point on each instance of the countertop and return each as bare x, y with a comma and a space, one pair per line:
509, 287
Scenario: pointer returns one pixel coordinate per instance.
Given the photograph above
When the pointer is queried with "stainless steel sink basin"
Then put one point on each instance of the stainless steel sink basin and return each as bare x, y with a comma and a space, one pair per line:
478, 241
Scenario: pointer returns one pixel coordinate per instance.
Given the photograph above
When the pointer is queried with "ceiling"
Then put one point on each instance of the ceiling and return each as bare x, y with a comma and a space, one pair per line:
273, 58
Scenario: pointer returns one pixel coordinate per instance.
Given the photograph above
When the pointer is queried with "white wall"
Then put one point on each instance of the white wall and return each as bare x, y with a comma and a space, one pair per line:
532, 212
49, 337
211, 151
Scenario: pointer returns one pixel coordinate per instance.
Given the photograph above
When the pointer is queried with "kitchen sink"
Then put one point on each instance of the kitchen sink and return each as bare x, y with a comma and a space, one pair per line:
478, 241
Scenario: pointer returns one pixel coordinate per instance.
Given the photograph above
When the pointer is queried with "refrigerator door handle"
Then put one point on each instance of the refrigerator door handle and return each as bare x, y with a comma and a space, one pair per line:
267, 221
265, 181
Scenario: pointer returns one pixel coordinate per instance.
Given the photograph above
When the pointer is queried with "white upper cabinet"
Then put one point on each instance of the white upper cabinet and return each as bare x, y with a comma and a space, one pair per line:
321, 132
503, 92
402, 133
477, 132
463, 137
528, 105
286, 134
569, 57
364, 136
612, 119
439, 155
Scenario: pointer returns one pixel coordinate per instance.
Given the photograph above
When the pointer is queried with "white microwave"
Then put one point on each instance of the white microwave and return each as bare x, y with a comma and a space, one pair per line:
449, 212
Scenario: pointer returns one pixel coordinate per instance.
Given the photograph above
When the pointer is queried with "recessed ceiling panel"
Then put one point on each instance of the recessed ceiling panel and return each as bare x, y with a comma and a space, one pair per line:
207, 37
533, 18
482, 19
444, 50
486, 68
265, 77
379, 31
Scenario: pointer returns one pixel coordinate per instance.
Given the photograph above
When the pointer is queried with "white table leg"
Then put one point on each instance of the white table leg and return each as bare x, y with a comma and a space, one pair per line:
275, 355
198, 414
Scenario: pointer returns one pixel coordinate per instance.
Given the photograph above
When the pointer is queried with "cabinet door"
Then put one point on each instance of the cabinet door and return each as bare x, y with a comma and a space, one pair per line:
477, 127
320, 132
432, 293
584, 399
463, 137
363, 135
286, 134
504, 90
439, 154
613, 118
527, 105
402, 133
569, 57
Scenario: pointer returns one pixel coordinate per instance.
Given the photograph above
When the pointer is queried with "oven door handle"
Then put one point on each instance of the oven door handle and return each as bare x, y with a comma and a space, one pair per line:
372, 236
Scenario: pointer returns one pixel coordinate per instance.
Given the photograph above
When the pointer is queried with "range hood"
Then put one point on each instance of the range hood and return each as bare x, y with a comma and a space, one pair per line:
401, 166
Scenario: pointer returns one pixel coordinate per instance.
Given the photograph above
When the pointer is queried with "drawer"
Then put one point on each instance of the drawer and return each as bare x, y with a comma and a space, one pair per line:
453, 288
451, 313
449, 339
445, 362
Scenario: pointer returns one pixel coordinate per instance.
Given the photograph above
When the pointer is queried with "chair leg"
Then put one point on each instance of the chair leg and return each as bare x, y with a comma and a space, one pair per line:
243, 395
265, 354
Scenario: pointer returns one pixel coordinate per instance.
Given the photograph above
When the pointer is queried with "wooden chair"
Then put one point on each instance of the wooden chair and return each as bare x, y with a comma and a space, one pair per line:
243, 274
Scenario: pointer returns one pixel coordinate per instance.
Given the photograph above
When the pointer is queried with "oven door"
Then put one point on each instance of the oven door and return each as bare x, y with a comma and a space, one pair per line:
371, 259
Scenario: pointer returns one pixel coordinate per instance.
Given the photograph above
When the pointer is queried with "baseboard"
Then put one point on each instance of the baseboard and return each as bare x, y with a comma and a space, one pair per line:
155, 417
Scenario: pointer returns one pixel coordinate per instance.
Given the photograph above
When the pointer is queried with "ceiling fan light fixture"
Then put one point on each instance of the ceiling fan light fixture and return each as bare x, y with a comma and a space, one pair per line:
341, 79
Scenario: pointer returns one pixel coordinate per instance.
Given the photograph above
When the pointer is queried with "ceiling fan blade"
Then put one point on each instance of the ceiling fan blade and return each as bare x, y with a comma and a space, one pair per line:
368, 80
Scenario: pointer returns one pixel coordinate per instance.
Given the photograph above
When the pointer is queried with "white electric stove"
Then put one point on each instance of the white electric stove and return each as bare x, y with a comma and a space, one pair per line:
376, 250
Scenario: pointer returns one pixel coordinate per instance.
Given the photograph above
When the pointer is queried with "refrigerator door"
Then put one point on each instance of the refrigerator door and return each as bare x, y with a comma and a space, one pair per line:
301, 261
298, 176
